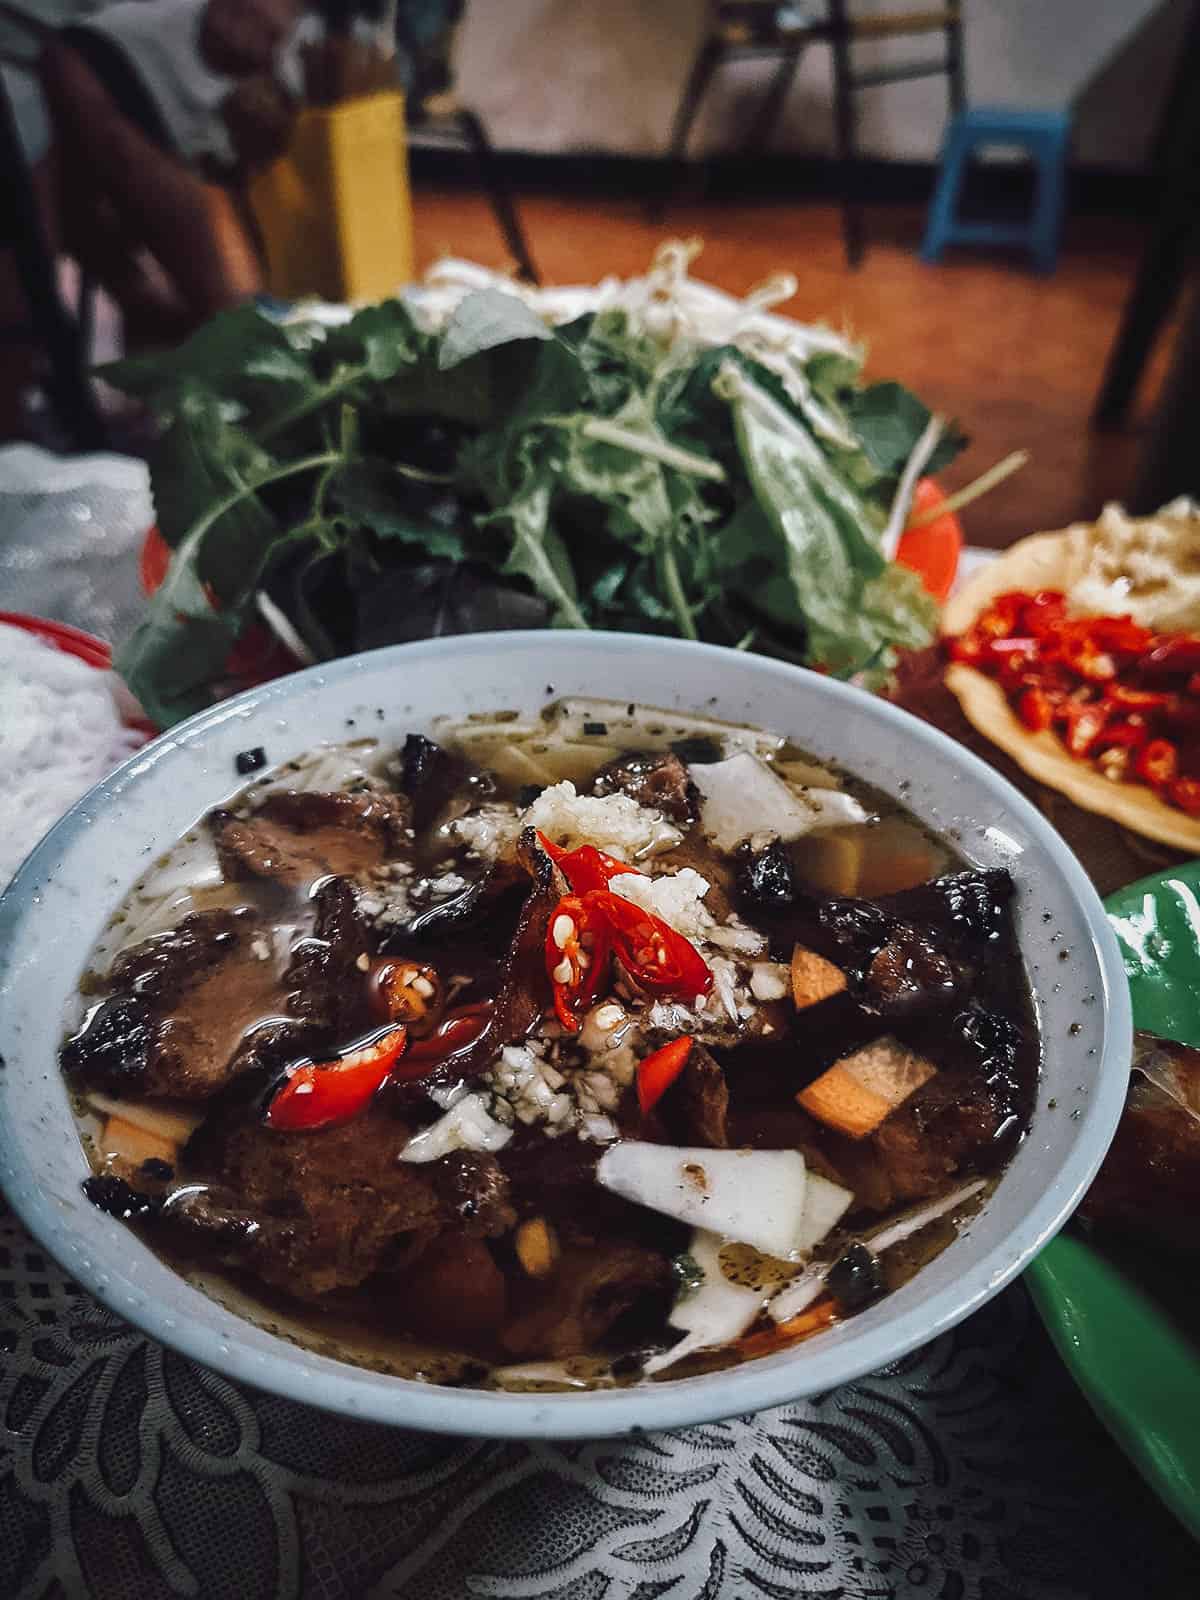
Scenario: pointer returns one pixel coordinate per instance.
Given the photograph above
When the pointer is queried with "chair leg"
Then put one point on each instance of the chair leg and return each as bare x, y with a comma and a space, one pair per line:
1048, 205
491, 173
1155, 292
943, 208
846, 136
762, 124
1168, 251
1168, 464
706, 63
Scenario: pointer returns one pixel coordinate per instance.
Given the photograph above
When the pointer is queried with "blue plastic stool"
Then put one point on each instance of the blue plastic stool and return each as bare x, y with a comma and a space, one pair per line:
1046, 135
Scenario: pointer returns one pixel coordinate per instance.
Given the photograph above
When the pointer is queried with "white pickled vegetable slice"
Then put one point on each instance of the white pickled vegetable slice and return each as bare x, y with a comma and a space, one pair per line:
175, 1123
825, 1203
754, 1197
904, 1227
712, 1315
743, 797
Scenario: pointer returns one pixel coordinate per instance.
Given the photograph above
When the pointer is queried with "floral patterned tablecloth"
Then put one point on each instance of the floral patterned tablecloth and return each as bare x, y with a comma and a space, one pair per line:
971, 1471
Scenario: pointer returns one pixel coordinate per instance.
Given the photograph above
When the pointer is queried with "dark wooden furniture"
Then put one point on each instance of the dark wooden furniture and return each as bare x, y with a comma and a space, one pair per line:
782, 33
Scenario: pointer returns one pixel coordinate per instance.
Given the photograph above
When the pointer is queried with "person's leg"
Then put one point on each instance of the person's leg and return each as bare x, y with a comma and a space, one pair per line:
151, 197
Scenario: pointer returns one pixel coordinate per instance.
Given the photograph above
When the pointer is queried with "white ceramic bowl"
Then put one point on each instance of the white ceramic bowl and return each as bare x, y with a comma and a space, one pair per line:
63, 896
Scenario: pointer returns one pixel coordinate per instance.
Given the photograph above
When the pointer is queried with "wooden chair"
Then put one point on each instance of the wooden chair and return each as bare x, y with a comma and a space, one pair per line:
437, 120
766, 30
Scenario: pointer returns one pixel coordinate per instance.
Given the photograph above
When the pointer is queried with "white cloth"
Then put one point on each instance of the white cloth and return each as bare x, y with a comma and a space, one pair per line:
20, 82
162, 41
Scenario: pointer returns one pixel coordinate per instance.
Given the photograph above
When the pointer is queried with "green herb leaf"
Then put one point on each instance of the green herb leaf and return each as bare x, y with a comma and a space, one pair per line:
241, 354
890, 419
178, 651
200, 459
539, 554
380, 341
375, 497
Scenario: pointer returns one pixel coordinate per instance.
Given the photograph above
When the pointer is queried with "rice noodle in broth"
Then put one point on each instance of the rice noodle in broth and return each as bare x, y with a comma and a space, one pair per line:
585, 1047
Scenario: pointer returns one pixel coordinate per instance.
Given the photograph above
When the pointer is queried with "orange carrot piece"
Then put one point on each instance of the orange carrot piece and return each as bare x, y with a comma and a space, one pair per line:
128, 1142
801, 1326
813, 978
837, 1099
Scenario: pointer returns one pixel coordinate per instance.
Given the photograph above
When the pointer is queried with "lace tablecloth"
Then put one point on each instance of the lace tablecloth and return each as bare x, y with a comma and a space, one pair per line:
970, 1471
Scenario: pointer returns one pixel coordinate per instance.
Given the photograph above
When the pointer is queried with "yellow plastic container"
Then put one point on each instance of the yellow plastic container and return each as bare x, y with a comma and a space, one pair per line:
335, 211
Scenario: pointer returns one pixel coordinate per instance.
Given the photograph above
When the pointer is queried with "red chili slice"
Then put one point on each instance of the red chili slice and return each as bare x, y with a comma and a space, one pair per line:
456, 1033
658, 1072
578, 947
1176, 655
585, 867
587, 929
650, 950
1185, 793
318, 1093
1129, 733
1035, 709
1131, 699
1158, 763
1085, 724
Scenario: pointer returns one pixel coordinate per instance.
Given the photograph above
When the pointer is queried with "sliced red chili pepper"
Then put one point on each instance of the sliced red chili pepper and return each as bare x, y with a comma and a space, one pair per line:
658, 1072
651, 951
1035, 709
318, 1093
1000, 618
1041, 609
1121, 634
1085, 724
1158, 763
967, 647
1185, 793
585, 867
1129, 733
578, 947
1123, 694
1171, 656
405, 991
586, 930
457, 1032
1082, 654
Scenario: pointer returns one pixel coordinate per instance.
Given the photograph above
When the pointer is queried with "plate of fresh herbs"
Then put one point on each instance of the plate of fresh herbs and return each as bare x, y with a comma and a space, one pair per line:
650, 456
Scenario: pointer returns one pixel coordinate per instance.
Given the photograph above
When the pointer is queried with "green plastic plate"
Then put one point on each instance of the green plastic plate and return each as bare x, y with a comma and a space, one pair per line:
1127, 1327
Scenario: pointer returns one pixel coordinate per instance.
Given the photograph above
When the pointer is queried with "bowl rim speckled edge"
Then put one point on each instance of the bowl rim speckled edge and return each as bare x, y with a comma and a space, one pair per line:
301, 1375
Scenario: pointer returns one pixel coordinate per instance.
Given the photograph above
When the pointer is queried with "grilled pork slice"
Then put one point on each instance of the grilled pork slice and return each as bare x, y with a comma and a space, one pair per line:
186, 1012
294, 838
